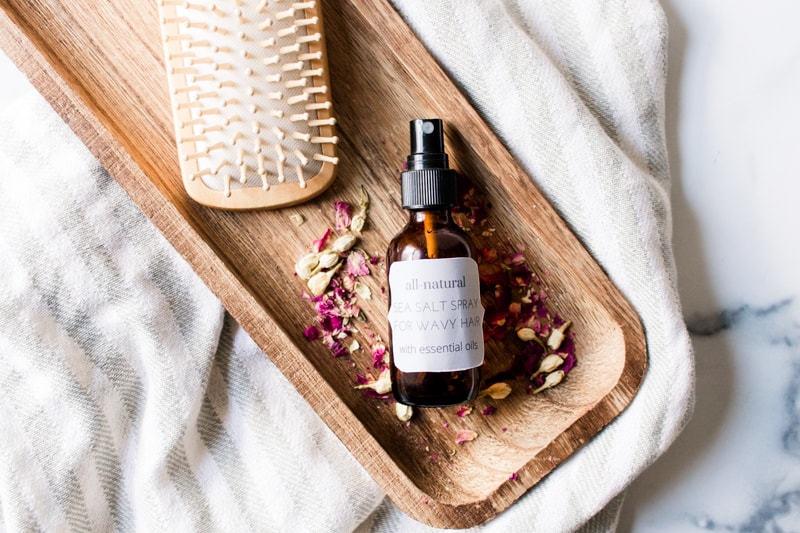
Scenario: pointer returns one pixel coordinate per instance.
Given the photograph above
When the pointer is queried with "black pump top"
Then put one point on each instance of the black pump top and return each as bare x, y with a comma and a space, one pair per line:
429, 183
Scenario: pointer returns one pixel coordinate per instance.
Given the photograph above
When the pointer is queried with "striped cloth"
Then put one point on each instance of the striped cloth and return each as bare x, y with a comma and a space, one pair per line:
129, 399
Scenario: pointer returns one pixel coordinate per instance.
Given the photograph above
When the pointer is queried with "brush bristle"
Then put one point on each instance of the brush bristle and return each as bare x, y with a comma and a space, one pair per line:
250, 94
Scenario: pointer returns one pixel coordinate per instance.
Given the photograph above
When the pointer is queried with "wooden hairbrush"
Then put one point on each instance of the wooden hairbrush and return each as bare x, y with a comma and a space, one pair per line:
251, 102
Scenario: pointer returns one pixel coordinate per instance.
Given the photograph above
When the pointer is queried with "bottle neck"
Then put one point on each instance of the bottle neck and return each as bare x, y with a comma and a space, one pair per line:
438, 216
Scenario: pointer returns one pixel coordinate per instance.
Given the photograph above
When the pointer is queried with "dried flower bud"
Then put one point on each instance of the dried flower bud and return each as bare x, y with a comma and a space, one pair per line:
320, 281
297, 219
362, 290
497, 391
526, 334
550, 381
355, 345
557, 336
382, 385
465, 435
344, 243
360, 218
403, 412
548, 364
328, 259
307, 265
357, 224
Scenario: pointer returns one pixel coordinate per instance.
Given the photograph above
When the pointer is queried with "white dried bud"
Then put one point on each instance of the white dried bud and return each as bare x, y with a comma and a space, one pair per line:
548, 364
404, 412
320, 281
526, 334
360, 218
557, 336
307, 265
550, 381
363, 291
344, 243
328, 259
382, 385
357, 222
297, 219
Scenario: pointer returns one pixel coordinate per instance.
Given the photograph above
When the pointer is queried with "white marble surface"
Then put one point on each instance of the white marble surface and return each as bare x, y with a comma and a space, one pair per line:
733, 113
733, 109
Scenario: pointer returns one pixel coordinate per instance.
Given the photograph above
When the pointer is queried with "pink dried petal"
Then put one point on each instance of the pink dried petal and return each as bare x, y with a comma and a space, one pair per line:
312, 333
496, 318
491, 274
330, 323
318, 244
378, 356
513, 476
342, 215
489, 410
357, 265
489, 255
465, 435
464, 410
337, 348
569, 363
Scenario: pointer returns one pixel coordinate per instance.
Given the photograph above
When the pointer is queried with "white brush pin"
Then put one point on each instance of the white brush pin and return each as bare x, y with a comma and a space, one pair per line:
251, 100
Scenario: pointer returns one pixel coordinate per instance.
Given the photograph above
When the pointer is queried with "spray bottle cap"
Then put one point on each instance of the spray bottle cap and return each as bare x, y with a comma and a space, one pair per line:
429, 183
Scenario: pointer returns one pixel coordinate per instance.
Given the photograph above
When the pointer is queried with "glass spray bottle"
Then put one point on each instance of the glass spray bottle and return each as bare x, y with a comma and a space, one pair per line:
435, 311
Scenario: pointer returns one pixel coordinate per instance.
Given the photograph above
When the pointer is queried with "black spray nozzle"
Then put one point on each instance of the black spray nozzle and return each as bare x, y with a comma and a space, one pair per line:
428, 182
427, 145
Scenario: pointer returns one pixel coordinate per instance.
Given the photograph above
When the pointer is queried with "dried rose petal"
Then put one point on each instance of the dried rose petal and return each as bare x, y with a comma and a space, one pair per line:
569, 363
337, 348
465, 435
513, 476
357, 265
318, 244
342, 215
312, 333
464, 410
379, 355
489, 410
497, 391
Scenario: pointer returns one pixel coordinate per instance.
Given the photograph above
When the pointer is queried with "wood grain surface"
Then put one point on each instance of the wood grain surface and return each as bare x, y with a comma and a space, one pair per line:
102, 70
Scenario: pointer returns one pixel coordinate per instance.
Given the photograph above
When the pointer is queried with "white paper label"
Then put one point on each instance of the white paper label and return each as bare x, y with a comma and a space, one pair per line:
436, 315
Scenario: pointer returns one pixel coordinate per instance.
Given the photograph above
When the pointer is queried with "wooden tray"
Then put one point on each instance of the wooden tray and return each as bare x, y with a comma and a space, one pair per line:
102, 70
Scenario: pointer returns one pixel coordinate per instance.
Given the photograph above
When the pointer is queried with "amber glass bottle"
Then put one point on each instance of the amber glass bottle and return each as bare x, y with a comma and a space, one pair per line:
435, 313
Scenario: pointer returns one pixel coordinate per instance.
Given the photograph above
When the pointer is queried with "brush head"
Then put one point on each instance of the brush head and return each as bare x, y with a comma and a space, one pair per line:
251, 101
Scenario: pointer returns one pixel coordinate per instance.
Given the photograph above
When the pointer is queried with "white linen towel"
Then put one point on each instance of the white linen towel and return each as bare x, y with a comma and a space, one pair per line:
129, 400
